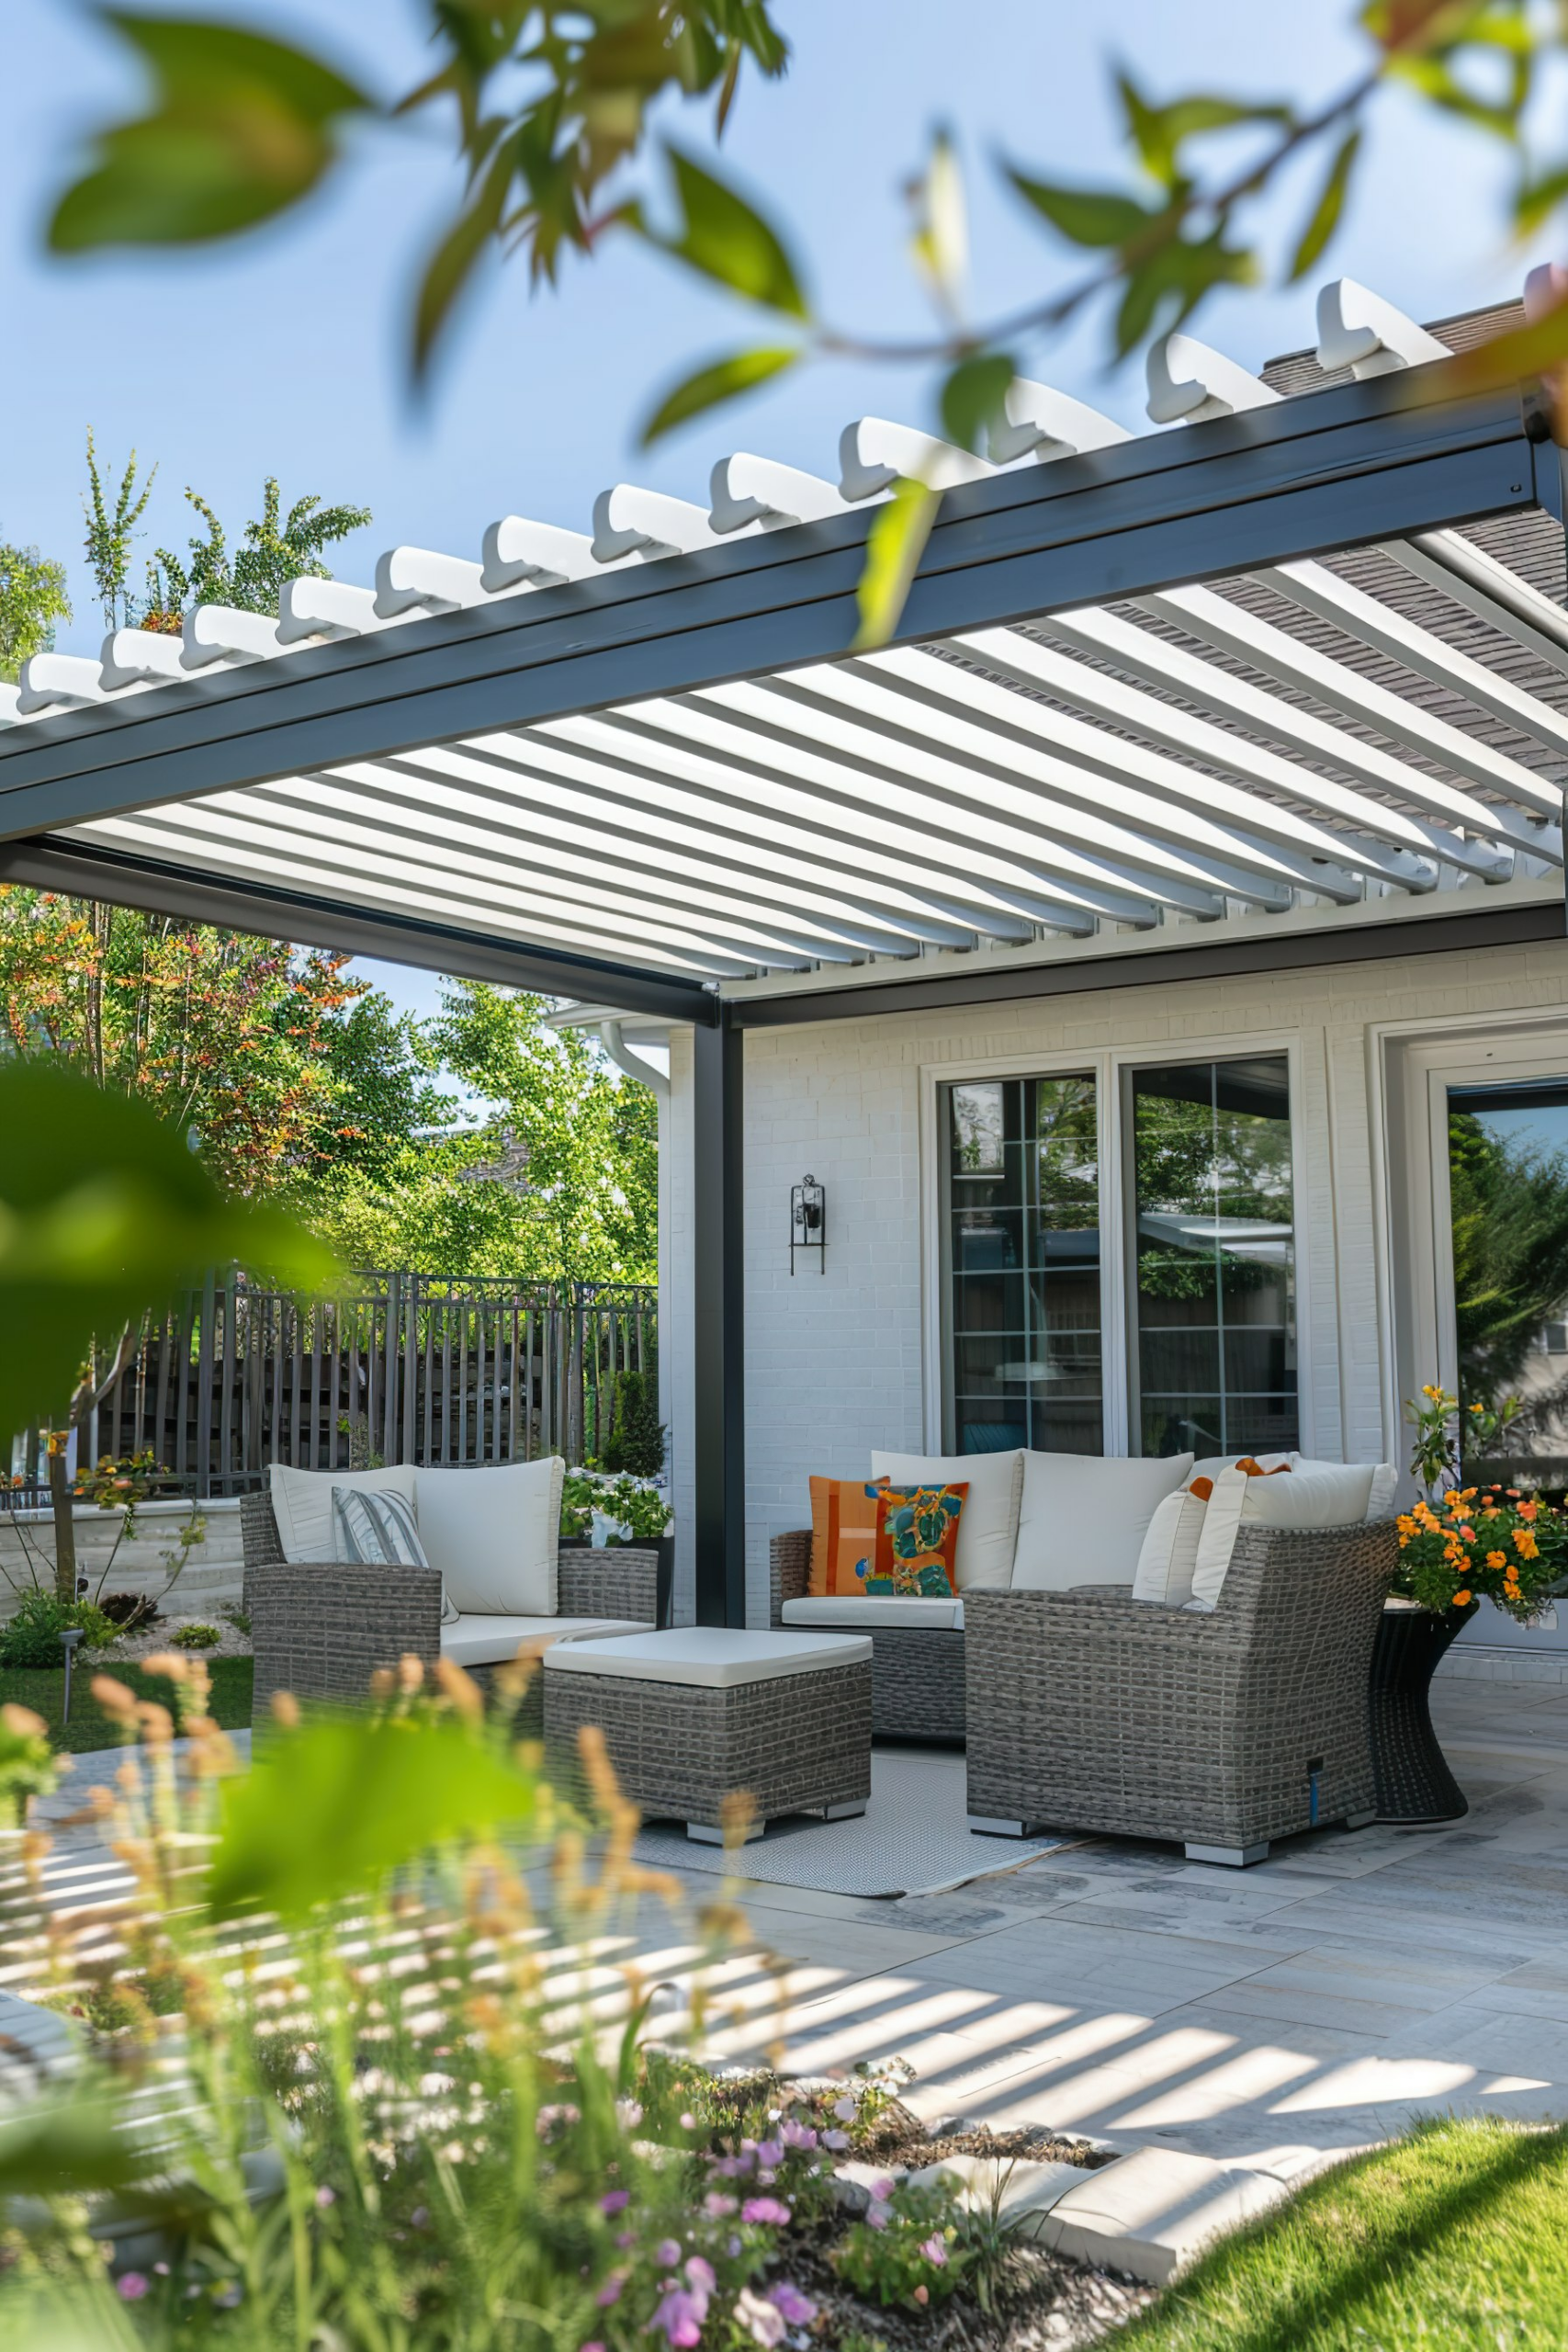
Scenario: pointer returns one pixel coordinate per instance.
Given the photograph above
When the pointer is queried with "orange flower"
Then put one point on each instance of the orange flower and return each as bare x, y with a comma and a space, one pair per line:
1468, 1533
1525, 1544
1462, 1600
1496, 1559
1529, 1511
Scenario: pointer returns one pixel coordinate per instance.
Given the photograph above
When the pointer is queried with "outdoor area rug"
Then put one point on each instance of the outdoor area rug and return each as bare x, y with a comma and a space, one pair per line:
913, 1838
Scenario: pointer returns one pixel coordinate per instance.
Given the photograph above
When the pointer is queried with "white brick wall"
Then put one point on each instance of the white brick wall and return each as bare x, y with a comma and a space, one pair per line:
834, 1364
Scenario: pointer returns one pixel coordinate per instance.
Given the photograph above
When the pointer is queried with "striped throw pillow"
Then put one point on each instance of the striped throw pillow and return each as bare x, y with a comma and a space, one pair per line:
379, 1531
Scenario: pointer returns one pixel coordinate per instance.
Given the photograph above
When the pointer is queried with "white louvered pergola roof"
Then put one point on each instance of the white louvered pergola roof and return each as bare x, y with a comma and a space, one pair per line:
1382, 728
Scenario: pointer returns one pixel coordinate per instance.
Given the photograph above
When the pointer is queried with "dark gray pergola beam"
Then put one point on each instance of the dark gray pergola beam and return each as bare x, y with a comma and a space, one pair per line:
194, 896
1327, 470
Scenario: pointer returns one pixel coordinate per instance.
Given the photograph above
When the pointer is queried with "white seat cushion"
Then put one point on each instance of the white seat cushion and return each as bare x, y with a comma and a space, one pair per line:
493, 1535
855, 1610
1085, 1517
717, 1656
1332, 1494
1169, 1552
302, 1504
987, 1525
491, 1641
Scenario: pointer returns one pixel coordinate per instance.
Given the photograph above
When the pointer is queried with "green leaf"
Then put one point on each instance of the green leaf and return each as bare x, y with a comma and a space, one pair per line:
454, 260
971, 399
1534, 349
894, 547
68, 2147
332, 1808
1330, 204
1086, 216
941, 241
724, 238
1165, 288
240, 127
1157, 132
104, 1212
1538, 199
721, 380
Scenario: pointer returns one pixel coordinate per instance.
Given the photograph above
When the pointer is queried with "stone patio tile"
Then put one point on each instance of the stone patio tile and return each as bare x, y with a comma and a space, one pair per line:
1100, 1964
1268, 1999
1155, 2212
1283, 1926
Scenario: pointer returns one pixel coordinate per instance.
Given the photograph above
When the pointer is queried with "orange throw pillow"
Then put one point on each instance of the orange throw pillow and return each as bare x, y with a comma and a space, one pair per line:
843, 1535
917, 1540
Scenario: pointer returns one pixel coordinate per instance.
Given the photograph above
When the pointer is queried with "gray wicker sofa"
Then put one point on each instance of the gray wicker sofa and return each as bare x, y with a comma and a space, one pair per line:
917, 1672
320, 1629
1220, 1730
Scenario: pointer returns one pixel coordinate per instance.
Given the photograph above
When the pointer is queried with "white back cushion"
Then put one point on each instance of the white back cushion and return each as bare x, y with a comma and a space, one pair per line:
302, 1504
494, 1533
1170, 1551
1084, 1519
987, 1524
1329, 1495
1380, 1502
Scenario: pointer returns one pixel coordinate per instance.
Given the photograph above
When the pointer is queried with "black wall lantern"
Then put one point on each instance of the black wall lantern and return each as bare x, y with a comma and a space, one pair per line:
808, 1221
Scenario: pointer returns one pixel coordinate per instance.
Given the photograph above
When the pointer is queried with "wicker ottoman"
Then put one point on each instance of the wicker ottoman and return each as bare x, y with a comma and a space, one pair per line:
704, 1713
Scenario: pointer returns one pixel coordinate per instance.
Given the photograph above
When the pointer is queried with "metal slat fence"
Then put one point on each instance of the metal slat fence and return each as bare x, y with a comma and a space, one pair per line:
396, 1367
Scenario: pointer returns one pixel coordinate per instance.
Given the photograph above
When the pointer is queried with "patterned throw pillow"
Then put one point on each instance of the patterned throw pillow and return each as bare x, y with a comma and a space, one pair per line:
917, 1543
379, 1531
843, 1534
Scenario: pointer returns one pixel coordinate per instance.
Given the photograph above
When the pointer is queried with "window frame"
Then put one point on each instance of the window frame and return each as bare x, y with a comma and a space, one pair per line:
1107, 1065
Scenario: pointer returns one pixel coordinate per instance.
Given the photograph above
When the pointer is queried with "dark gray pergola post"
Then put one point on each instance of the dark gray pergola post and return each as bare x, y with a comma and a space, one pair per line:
718, 1351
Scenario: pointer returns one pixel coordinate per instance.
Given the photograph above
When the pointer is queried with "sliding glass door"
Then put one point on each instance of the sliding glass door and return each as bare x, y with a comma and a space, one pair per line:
1213, 1312
1202, 1251
1508, 1227
1022, 1213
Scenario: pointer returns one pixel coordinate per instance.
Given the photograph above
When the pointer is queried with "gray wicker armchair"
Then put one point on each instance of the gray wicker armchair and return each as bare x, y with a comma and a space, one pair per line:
1091, 1710
917, 1672
321, 1629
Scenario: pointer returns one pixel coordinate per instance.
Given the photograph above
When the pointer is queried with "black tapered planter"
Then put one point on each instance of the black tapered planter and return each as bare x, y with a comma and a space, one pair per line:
1410, 1771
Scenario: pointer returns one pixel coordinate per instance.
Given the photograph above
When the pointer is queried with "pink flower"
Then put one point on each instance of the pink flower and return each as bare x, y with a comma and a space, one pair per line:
718, 2208
935, 2250
770, 2153
615, 2200
132, 2285
922, 2294
798, 2310
796, 2135
610, 2292
835, 2140
700, 2274
325, 2197
595, 2347
688, 2123
667, 2253
846, 2109
681, 2314
765, 2209
878, 2214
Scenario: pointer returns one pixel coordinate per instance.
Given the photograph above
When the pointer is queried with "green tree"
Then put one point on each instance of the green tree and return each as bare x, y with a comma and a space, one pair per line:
550, 1174
113, 511
32, 599
227, 1036
273, 550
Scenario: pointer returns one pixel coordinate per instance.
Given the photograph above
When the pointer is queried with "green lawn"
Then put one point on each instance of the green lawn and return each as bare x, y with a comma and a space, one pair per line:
1453, 2241
42, 1689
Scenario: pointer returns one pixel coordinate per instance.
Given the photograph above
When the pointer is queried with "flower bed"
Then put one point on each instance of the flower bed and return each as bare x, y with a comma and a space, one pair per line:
366, 2014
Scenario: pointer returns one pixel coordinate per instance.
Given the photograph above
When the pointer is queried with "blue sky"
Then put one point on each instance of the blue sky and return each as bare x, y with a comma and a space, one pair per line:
284, 353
